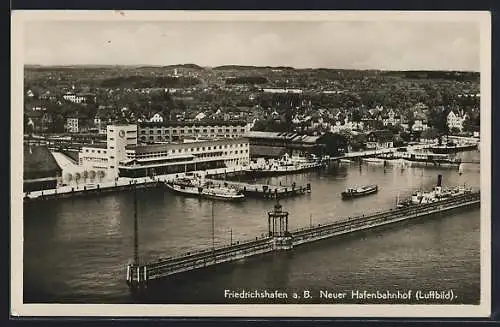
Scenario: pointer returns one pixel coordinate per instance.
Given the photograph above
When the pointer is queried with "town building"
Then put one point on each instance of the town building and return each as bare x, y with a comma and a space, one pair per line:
41, 120
156, 118
280, 90
379, 139
391, 119
455, 119
102, 119
419, 125
275, 144
94, 157
178, 131
79, 97
72, 125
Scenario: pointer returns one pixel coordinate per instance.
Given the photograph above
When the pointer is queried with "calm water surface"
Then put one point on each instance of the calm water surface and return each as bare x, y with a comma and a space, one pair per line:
76, 250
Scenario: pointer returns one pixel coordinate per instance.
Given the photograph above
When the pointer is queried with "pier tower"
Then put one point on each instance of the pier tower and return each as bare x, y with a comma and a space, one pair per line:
137, 275
278, 228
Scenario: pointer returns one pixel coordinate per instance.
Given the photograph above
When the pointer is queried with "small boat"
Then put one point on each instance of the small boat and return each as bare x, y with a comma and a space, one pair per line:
223, 193
374, 161
353, 192
194, 187
346, 161
285, 165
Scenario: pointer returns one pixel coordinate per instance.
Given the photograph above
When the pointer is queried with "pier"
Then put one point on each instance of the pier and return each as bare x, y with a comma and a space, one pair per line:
265, 191
279, 238
91, 189
127, 184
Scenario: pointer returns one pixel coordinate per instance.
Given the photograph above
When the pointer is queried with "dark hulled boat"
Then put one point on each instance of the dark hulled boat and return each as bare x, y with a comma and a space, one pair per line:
353, 192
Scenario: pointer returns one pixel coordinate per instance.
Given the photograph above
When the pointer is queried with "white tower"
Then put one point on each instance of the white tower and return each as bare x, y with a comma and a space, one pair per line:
119, 136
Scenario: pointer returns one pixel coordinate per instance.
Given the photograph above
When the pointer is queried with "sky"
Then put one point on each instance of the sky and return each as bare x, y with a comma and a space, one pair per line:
387, 45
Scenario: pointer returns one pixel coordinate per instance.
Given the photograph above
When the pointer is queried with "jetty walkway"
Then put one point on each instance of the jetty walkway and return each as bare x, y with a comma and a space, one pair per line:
139, 274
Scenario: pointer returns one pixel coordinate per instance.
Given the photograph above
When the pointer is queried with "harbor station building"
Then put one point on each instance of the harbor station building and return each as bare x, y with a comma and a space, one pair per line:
123, 156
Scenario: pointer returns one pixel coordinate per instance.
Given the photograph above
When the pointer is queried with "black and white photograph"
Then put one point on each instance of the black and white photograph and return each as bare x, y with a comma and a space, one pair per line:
285, 163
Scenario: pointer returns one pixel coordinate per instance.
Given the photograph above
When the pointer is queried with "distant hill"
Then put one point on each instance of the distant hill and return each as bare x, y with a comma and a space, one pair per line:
435, 74
185, 66
149, 82
242, 67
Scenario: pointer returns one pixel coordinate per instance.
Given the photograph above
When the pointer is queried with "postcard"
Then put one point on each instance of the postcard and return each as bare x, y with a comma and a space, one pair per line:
251, 164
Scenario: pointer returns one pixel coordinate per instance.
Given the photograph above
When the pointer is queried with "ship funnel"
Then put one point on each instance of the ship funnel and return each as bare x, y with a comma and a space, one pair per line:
440, 179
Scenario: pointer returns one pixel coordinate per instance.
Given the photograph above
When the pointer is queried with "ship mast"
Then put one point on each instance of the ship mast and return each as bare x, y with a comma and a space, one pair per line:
136, 229
213, 227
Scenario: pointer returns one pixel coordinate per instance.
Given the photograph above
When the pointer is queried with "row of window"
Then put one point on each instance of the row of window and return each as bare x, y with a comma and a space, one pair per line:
168, 138
192, 150
94, 159
95, 151
201, 156
190, 131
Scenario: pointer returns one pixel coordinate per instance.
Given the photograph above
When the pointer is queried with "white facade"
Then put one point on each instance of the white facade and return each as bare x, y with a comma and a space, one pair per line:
164, 133
157, 118
419, 125
200, 116
93, 158
455, 121
118, 137
391, 119
76, 98
233, 151
171, 158
72, 125
267, 90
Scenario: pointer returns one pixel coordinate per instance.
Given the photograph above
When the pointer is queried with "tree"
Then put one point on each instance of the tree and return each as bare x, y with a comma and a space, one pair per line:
101, 174
405, 136
430, 133
356, 116
85, 176
69, 177
334, 144
358, 142
454, 131
468, 125
437, 119
78, 176
92, 175
395, 129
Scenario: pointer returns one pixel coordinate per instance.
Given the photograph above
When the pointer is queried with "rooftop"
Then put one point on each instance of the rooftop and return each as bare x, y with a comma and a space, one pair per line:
39, 162
194, 123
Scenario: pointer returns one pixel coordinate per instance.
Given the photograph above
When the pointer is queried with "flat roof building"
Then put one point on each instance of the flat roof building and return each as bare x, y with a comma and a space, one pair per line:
169, 158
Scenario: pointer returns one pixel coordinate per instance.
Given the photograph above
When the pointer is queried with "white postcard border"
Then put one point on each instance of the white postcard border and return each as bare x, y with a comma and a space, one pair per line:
18, 308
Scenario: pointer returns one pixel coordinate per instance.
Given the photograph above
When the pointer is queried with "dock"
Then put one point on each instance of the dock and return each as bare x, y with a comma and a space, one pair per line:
118, 185
279, 238
127, 184
265, 191
90, 189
